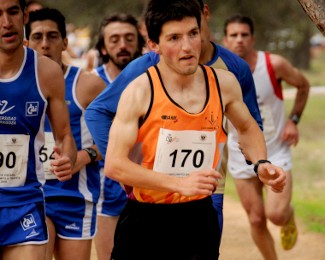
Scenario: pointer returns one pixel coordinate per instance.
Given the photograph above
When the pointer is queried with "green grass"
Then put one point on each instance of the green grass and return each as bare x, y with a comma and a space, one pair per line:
308, 158
308, 167
316, 73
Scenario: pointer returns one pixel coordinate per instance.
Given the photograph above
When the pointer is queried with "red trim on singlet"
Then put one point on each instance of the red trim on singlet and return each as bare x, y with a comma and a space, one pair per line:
275, 83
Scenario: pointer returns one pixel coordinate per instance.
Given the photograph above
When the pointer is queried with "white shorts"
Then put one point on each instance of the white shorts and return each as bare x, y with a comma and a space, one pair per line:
239, 169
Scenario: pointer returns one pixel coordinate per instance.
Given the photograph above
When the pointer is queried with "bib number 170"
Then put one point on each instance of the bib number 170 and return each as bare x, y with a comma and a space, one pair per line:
186, 156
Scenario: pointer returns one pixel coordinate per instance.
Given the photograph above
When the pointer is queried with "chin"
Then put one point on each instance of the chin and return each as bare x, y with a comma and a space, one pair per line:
189, 71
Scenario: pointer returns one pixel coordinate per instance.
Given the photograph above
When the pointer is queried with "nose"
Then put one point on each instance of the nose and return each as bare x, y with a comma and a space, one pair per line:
186, 43
45, 42
6, 20
239, 38
122, 43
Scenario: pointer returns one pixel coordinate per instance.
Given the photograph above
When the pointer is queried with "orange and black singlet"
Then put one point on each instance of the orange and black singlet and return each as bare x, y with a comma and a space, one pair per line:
176, 142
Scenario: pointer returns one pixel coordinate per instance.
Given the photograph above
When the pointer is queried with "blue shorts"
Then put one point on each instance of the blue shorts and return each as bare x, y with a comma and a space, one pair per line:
23, 225
73, 218
112, 198
217, 200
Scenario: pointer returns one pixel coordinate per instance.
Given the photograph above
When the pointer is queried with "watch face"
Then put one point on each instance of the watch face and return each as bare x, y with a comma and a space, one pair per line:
295, 119
92, 153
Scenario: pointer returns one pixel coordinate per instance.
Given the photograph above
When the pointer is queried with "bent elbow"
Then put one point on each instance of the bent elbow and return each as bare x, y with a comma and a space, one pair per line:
112, 170
108, 170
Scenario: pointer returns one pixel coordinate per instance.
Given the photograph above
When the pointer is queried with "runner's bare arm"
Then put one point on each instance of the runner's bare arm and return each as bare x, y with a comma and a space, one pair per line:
251, 139
53, 87
132, 106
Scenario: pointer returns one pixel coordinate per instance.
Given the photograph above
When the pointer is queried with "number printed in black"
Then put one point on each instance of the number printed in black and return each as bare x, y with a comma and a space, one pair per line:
197, 158
43, 154
9, 160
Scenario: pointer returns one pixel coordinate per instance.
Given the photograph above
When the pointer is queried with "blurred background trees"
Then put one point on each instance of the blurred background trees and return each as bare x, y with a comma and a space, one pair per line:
281, 26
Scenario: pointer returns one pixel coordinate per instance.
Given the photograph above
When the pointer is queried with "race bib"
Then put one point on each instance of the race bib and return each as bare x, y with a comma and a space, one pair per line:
268, 123
13, 159
181, 152
47, 154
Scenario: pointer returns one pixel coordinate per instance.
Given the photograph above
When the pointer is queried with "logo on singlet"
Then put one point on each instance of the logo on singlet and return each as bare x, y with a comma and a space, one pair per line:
169, 117
3, 107
28, 222
32, 108
212, 120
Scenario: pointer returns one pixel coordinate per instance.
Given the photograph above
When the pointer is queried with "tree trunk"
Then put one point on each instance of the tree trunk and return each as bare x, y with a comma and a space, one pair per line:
316, 11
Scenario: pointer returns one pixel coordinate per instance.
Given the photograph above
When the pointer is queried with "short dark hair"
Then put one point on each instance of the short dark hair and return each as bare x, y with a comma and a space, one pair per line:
47, 14
161, 11
239, 18
201, 4
22, 4
122, 18
31, 2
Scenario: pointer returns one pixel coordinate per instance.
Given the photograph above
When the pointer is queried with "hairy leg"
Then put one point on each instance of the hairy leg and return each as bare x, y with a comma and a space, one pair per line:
104, 239
250, 192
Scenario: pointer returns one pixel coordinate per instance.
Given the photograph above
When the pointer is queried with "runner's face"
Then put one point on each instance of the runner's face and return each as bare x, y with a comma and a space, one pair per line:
11, 25
180, 45
46, 39
121, 43
239, 39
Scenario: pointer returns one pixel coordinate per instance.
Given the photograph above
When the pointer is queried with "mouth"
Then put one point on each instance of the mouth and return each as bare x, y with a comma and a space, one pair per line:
124, 54
9, 35
46, 55
187, 57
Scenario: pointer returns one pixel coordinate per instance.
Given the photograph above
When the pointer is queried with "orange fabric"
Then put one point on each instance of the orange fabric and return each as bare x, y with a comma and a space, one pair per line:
165, 114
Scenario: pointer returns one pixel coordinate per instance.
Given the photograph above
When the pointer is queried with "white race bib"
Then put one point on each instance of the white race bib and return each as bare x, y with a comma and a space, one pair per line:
46, 155
181, 152
268, 123
13, 159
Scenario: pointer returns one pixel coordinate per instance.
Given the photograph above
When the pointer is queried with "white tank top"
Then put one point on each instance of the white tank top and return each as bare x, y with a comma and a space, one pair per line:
270, 100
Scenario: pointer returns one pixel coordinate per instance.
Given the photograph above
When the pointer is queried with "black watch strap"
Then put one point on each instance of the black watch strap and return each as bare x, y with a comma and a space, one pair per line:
258, 163
295, 119
92, 153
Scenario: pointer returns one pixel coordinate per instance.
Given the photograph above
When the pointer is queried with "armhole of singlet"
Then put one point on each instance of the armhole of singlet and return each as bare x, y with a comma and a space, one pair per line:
275, 83
220, 98
206, 78
141, 122
164, 89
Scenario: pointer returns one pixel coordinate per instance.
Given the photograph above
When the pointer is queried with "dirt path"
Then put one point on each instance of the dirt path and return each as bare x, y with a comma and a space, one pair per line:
237, 243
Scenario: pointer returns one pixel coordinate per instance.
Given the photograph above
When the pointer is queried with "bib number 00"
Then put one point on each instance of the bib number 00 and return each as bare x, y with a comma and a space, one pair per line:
13, 159
8, 160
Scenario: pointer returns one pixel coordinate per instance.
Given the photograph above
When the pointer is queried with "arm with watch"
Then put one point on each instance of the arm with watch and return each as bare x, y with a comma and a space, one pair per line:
86, 156
290, 133
250, 137
292, 76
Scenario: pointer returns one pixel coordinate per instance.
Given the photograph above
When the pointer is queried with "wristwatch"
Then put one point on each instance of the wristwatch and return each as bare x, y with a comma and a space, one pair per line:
258, 163
295, 119
92, 153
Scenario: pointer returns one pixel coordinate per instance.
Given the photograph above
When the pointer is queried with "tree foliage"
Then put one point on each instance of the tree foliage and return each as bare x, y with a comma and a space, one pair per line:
281, 26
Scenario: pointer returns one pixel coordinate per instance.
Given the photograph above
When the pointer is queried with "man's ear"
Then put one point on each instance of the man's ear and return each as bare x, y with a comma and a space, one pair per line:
65, 43
206, 12
25, 16
103, 50
153, 46
254, 40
